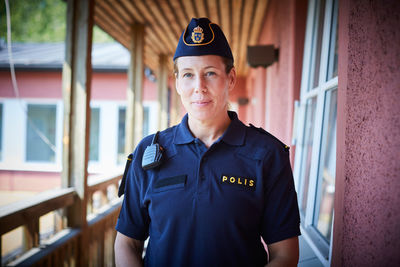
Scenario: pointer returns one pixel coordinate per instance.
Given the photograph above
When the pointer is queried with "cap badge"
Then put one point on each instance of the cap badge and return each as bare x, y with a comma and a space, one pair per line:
197, 35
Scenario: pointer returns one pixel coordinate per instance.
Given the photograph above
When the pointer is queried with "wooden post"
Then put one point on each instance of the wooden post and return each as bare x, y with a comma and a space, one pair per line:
134, 109
162, 91
77, 71
31, 234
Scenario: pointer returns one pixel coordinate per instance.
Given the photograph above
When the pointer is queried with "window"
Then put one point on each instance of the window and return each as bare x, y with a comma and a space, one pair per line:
146, 120
41, 133
121, 130
327, 168
121, 135
94, 134
315, 161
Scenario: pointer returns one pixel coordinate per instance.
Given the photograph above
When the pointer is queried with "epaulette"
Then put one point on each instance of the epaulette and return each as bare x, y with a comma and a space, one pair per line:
261, 130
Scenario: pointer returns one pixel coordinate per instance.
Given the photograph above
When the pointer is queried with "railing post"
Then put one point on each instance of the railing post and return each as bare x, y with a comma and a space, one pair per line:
77, 70
31, 234
134, 109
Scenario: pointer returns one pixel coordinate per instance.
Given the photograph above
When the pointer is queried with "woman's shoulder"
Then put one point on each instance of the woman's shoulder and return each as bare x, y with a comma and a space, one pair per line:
261, 138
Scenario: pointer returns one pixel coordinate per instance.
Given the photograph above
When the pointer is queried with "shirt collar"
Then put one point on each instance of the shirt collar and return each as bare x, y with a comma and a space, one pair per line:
182, 133
234, 135
236, 132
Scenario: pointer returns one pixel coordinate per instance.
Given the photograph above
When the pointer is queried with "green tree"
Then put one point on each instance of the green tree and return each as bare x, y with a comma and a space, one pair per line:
39, 21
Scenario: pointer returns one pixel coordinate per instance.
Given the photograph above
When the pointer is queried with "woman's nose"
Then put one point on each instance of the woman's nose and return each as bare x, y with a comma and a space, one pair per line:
200, 85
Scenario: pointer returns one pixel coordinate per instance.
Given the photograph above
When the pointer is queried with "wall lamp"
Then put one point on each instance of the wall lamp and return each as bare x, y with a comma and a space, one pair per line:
262, 55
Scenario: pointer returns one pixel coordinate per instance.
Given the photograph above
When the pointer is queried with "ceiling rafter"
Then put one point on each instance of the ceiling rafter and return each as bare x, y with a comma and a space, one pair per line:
162, 34
245, 29
201, 9
164, 21
213, 11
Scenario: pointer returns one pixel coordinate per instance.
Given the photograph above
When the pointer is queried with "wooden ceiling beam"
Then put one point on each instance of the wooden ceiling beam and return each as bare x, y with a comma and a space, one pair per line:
225, 19
171, 18
190, 11
180, 15
164, 22
201, 9
236, 22
152, 23
151, 40
124, 13
213, 11
113, 32
112, 27
133, 11
260, 10
245, 30
108, 9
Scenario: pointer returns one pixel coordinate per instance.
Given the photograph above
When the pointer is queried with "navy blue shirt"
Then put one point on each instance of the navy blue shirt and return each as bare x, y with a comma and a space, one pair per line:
210, 207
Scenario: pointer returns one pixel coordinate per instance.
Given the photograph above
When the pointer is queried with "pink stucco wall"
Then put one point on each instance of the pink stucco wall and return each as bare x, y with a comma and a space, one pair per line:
284, 27
239, 91
47, 84
32, 84
367, 199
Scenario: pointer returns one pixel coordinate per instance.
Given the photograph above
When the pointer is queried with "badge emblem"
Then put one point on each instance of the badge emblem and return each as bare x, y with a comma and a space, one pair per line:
197, 35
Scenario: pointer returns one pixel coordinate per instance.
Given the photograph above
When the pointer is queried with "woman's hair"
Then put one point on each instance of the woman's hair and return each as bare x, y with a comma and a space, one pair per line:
227, 62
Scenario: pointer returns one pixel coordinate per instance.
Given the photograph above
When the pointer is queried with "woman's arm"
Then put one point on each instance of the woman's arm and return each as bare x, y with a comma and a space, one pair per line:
284, 253
128, 251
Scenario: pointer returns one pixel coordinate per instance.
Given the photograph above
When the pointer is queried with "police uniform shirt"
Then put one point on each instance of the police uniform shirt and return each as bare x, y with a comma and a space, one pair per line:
210, 207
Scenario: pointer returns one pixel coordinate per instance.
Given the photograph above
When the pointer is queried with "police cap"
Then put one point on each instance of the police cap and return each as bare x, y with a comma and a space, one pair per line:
202, 37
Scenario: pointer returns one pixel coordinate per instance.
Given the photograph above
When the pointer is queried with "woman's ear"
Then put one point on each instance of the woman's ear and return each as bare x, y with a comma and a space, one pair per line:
177, 84
232, 78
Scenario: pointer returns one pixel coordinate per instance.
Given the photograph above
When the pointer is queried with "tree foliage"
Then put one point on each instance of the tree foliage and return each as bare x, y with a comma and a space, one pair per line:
39, 21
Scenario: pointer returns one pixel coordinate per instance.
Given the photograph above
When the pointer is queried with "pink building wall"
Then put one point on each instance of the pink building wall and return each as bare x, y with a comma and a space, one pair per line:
47, 84
284, 27
367, 199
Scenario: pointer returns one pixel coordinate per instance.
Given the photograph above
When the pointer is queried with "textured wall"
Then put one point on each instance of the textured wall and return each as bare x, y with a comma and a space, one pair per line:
274, 90
367, 205
105, 86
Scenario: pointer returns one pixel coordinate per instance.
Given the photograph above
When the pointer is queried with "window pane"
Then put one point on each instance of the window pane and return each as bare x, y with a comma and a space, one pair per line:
307, 146
41, 121
146, 113
94, 134
121, 135
1, 131
318, 33
326, 179
333, 46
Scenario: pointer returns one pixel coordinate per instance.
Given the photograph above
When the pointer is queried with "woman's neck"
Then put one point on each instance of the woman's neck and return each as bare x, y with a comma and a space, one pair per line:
209, 131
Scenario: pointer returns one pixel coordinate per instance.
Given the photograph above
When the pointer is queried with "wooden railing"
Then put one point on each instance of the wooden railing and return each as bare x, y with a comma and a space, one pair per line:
92, 244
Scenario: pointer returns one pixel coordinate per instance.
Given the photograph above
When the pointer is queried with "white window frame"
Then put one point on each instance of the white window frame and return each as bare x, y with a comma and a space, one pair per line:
15, 132
108, 135
321, 248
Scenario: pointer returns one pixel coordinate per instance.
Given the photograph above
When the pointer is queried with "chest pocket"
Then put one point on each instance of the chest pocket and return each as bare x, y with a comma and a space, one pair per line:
170, 183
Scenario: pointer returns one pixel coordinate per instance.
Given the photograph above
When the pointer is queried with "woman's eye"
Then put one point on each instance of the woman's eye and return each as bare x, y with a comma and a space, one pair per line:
187, 75
210, 73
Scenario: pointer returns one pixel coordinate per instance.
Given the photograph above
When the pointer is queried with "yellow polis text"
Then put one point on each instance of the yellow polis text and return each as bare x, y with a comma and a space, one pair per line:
238, 181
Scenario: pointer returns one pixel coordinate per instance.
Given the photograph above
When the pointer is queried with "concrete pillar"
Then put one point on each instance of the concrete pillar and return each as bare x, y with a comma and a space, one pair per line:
366, 227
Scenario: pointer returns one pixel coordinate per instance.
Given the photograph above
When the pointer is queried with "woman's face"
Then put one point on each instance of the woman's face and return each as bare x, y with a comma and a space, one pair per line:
204, 85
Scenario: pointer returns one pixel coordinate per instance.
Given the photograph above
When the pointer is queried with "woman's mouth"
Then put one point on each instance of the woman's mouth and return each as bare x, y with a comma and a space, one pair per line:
201, 103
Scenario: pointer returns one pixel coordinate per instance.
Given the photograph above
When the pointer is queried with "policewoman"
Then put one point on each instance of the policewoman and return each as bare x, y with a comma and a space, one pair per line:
207, 190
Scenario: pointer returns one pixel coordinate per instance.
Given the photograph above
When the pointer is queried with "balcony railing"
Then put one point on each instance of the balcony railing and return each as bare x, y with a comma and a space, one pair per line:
91, 244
